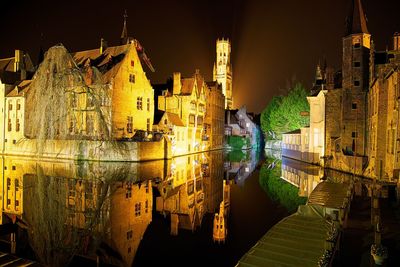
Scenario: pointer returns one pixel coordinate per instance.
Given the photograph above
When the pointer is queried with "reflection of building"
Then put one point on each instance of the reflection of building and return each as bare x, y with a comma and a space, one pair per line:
130, 213
303, 176
220, 225
184, 201
79, 207
239, 165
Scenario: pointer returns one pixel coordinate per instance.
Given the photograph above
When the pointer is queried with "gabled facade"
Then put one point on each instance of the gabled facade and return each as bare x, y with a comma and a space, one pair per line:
187, 99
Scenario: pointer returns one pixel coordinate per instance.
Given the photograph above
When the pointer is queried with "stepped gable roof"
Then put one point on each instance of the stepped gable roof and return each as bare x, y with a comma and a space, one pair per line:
108, 63
174, 119
356, 21
158, 114
187, 86
20, 89
7, 64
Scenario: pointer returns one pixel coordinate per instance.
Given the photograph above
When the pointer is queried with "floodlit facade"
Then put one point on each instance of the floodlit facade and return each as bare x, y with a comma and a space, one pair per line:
223, 70
187, 99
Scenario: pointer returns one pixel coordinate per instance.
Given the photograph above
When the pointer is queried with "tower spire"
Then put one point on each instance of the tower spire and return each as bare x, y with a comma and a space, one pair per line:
124, 34
356, 21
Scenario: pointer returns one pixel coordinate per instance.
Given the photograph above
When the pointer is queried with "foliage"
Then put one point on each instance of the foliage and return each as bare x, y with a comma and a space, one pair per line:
238, 142
237, 156
283, 112
279, 190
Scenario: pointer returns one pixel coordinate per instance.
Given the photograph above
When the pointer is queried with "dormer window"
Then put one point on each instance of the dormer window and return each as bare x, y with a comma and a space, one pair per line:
132, 78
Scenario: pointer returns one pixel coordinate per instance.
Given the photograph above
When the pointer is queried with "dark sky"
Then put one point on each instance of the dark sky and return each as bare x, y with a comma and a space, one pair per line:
273, 42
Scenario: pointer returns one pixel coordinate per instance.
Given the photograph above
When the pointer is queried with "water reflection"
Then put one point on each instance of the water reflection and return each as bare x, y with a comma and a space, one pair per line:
69, 212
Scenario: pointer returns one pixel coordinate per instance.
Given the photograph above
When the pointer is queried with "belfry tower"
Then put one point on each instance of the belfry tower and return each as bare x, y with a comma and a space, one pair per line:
355, 69
223, 70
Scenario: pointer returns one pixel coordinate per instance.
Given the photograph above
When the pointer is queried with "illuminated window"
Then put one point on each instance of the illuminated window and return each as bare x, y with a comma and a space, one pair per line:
132, 78
138, 207
191, 119
139, 103
199, 121
129, 125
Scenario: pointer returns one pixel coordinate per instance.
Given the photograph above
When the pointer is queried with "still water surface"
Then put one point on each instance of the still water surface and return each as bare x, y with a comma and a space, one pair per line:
152, 213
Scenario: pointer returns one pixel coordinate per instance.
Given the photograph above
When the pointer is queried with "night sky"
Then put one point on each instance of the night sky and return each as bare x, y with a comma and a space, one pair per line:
273, 42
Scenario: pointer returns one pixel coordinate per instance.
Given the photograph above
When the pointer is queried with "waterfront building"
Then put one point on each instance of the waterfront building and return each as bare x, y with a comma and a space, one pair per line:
223, 70
240, 124
186, 97
383, 113
215, 116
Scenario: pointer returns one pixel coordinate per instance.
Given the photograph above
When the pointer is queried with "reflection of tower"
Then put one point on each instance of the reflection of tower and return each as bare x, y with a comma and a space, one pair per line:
220, 230
223, 70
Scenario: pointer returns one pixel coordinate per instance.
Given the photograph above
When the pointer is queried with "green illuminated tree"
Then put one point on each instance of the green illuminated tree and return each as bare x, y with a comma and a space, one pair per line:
283, 113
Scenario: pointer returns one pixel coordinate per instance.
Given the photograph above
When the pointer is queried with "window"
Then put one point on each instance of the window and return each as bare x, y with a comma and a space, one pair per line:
139, 103
9, 125
129, 235
71, 126
357, 64
132, 78
137, 209
356, 83
17, 126
146, 206
357, 45
10, 105
8, 183
132, 63
165, 121
129, 125
148, 104
148, 124
353, 105
191, 120
18, 105
74, 102
13, 168
89, 124
199, 121
89, 101
354, 134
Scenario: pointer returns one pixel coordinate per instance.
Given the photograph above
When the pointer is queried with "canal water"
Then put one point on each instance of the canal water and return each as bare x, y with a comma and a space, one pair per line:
148, 214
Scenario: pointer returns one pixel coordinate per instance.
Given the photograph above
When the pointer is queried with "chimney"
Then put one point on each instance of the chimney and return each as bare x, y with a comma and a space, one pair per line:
396, 41
103, 45
177, 83
17, 60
